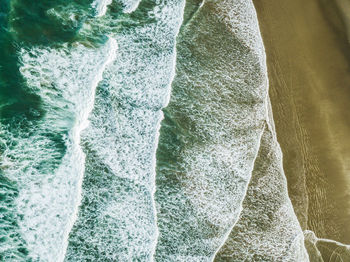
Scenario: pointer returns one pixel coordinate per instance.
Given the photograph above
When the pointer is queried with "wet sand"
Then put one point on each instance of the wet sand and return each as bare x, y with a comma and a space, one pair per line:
308, 62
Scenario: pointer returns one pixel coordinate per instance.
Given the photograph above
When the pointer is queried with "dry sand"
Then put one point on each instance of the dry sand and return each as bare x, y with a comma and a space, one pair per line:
308, 62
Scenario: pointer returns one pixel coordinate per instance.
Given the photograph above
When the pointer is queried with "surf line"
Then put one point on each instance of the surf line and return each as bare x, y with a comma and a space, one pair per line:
83, 123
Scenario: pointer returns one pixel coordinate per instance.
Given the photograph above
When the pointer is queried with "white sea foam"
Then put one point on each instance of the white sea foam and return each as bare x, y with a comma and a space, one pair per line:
101, 7
49, 193
121, 143
82, 123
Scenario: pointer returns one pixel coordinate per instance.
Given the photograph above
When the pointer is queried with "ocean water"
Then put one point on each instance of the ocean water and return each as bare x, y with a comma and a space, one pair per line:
131, 130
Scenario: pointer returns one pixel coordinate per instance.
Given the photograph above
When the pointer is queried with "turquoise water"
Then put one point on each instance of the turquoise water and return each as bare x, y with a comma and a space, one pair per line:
36, 121
129, 129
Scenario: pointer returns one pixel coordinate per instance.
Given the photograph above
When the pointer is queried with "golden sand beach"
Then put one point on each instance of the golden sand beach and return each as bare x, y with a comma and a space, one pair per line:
308, 57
